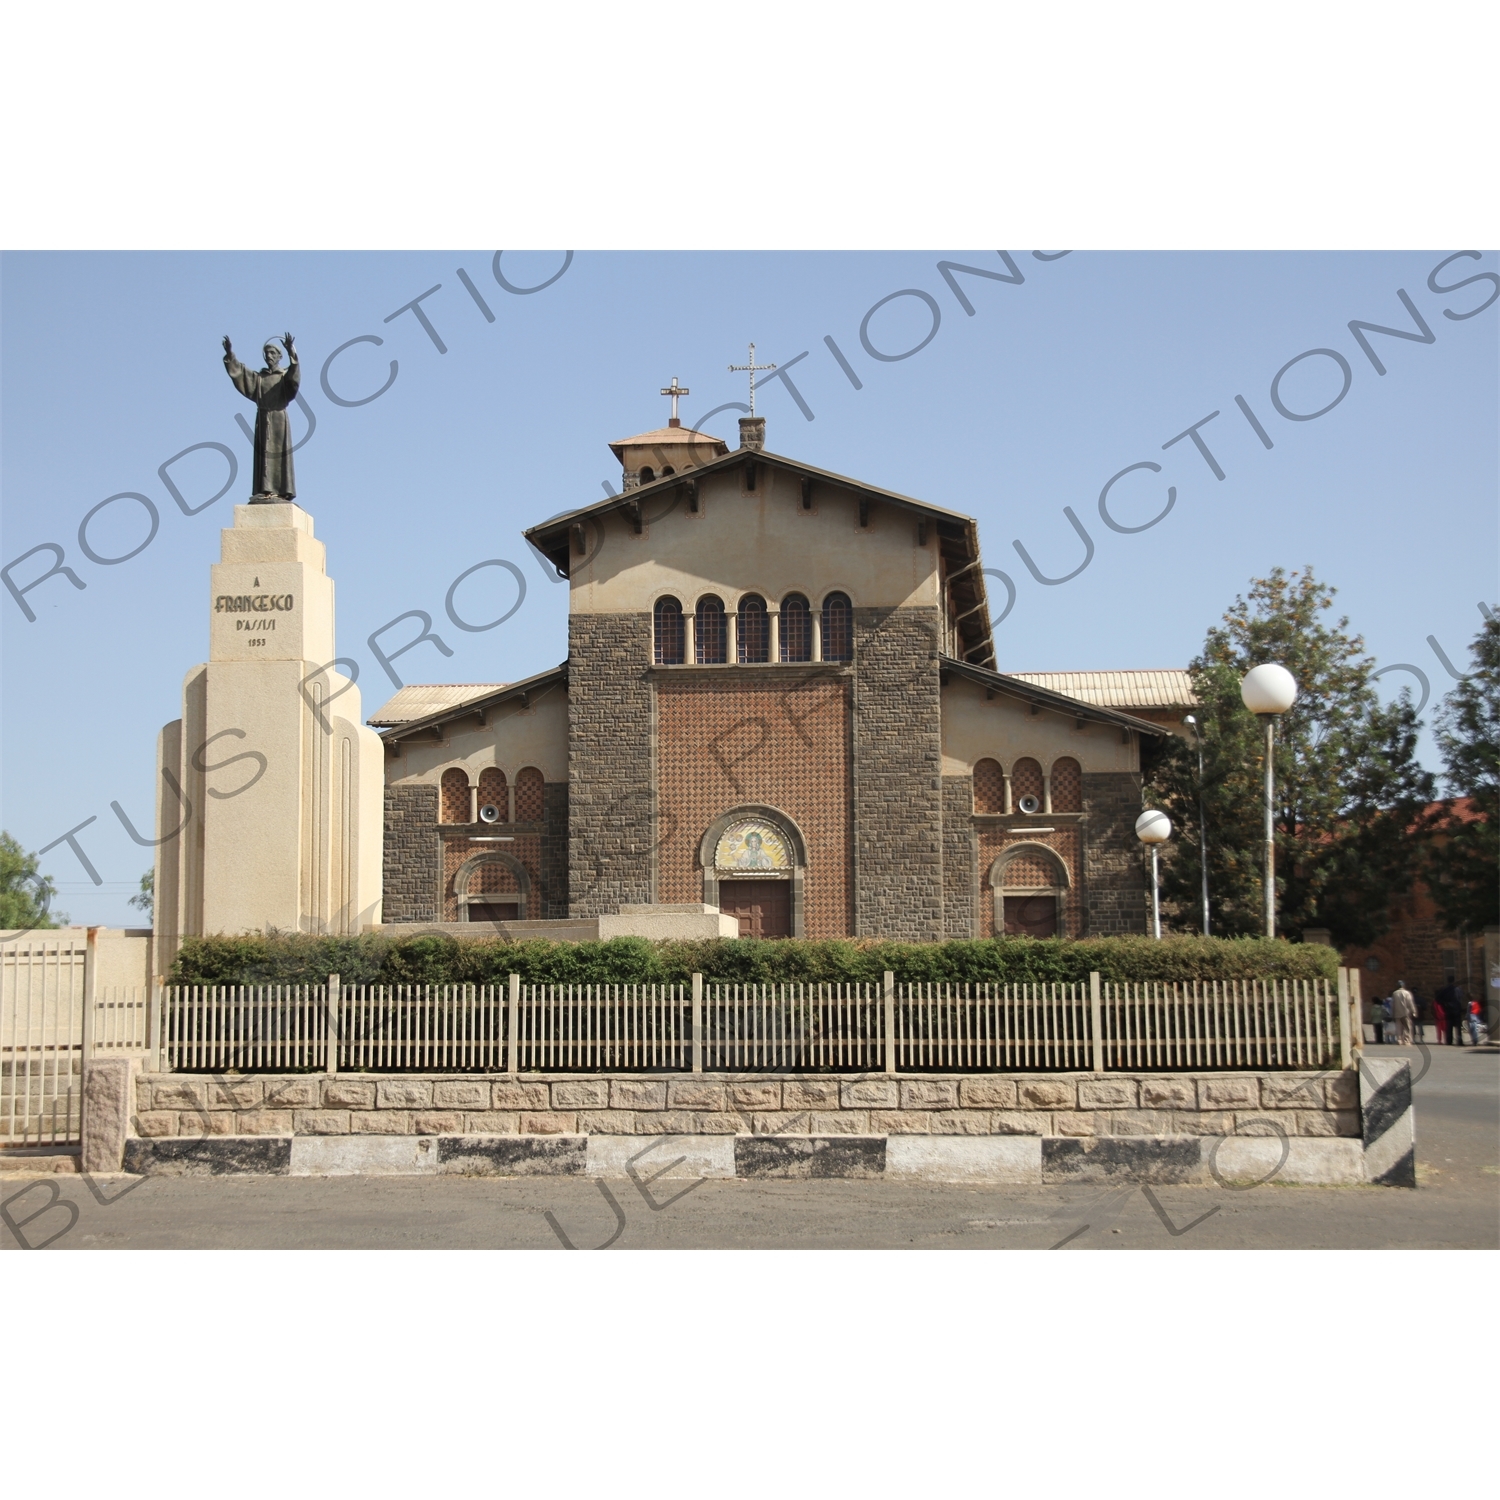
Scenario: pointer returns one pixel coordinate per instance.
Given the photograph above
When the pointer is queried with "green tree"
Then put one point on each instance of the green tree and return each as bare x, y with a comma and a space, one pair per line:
145, 898
25, 896
1463, 865
1349, 790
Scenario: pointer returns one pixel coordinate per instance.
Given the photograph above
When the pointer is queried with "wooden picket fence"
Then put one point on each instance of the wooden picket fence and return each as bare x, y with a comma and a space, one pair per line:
745, 1028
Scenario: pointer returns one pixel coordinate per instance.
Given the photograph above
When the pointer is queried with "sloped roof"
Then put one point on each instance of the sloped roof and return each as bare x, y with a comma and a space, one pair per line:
672, 436
479, 701
1166, 688
1014, 686
422, 700
957, 534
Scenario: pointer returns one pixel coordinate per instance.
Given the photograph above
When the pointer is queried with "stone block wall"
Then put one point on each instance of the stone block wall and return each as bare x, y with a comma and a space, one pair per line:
413, 854
960, 859
898, 778
1116, 888
609, 763
1280, 1105
554, 883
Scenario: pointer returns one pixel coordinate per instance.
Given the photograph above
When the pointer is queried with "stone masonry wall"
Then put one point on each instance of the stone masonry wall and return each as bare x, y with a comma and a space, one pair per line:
609, 762
554, 885
413, 854
898, 796
960, 872
1219, 1104
1115, 886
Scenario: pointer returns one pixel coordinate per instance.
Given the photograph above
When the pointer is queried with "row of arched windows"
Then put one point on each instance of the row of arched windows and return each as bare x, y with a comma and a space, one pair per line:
488, 800
755, 633
1028, 788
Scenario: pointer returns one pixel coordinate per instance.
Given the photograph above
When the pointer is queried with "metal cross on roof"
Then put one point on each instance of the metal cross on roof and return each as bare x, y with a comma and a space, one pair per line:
752, 367
674, 391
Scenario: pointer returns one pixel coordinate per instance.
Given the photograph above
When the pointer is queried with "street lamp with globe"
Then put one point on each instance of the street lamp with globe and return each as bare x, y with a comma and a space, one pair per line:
1154, 828
1269, 690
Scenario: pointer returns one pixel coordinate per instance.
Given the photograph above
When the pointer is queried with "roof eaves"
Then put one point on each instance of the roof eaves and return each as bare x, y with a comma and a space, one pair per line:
1029, 692
526, 686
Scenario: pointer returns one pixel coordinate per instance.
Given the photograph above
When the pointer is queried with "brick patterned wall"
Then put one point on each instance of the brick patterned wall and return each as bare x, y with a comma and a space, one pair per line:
989, 788
1066, 841
1025, 780
1119, 896
779, 739
531, 795
413, 866
1067, 785
898, 813
960, 878
492, 791
609, 762
527, 848
455, 795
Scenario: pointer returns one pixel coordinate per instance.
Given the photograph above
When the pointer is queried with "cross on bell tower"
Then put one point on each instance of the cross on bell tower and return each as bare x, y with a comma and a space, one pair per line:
752, 367
674, 391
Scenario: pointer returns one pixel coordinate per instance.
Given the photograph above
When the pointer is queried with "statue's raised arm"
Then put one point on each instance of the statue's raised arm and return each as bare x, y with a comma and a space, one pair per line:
272, 389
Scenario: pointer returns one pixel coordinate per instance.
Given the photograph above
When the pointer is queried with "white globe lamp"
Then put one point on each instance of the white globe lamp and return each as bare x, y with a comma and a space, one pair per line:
1154, 828
1268, 690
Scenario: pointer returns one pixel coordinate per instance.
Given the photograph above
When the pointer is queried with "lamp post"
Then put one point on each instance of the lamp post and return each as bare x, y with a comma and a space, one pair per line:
1202, 820
1154, 828
1268, 690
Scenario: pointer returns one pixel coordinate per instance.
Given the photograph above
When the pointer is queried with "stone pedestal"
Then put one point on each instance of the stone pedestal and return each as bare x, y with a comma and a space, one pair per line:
270, 788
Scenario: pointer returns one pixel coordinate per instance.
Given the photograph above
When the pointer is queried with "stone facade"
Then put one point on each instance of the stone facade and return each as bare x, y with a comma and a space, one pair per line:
610, 794
1276, 1105
960, 859
897, 775
1117, 894
554, 885
413, 854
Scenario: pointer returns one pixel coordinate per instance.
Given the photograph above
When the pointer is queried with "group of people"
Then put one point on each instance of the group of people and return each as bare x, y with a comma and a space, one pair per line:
1451, 1011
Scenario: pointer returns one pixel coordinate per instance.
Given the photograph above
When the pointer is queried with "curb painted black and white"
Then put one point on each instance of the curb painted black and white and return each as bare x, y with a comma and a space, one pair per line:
1017, 1159
1390, 1133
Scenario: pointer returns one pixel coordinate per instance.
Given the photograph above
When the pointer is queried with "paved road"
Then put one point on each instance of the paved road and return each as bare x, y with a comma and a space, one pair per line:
1456, 1205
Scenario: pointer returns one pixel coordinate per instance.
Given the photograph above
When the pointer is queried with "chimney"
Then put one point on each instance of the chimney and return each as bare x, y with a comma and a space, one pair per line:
753, 433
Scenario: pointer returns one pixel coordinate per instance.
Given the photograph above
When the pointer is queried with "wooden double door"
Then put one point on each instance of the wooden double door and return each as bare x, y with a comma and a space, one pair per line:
764, 907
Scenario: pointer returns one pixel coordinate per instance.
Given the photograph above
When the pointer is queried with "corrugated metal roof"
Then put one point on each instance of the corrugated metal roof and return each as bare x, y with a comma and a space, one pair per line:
419, 700
1169, 688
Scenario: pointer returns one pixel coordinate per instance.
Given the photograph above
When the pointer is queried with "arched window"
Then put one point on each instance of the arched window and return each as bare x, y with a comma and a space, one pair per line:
1026, 781
455, 796
838, 628
492, 794
989, 787
648, 475
668, 470
531, 795
1067, 785
754, 642
669, 634
710, 639
796, 629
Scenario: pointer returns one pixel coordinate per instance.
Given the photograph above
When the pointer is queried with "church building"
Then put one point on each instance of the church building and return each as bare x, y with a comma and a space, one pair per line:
781, 699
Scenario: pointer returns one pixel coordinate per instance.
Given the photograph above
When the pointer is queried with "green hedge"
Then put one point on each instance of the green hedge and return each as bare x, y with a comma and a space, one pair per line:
434, 959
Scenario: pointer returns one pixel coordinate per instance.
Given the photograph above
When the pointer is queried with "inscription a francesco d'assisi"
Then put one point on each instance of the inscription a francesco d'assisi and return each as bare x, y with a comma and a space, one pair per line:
244, 604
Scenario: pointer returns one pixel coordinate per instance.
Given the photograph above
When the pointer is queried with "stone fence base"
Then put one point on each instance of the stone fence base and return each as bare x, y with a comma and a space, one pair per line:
1349, 1126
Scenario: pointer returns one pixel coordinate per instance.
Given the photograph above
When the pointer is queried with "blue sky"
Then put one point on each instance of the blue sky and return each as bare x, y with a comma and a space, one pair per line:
110, 365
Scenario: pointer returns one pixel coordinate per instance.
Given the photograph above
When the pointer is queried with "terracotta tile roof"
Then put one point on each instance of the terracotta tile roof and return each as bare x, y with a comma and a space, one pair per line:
1169, 688
668, 436
421, 700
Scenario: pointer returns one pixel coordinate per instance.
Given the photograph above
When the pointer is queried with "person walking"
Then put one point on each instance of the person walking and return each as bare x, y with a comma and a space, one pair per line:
1458, 1013
1403, 1008
1440, 1007
1474, 1022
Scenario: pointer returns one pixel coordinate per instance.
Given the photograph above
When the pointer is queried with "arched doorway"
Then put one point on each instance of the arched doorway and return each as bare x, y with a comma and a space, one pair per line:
1030, 886
753, 860
491, 888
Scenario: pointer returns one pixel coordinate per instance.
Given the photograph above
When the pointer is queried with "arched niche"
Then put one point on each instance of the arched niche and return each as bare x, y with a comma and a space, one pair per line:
755, 845
1029, 885
469, 893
